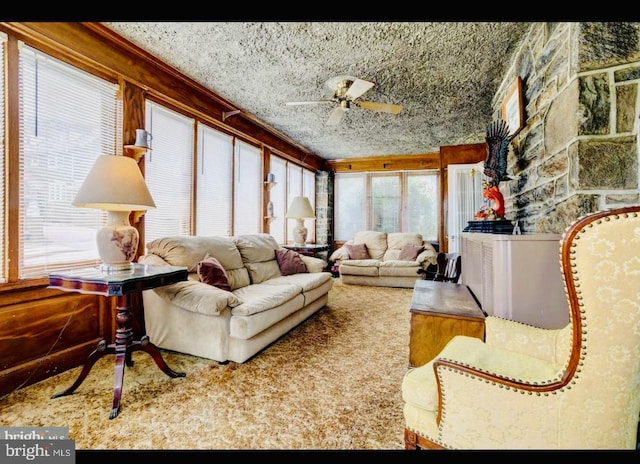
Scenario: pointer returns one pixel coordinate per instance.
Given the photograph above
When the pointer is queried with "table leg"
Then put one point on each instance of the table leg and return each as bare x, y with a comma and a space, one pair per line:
101, 350
123, 348
153, 351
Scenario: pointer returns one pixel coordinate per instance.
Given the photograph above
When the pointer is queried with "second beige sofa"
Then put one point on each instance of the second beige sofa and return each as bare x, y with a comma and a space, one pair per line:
382, 264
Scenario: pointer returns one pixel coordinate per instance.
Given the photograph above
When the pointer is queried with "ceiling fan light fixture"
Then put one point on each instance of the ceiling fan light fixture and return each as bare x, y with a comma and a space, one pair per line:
345, 105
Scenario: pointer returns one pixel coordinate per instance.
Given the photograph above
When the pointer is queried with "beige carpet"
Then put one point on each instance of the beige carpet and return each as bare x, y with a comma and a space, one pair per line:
332, 383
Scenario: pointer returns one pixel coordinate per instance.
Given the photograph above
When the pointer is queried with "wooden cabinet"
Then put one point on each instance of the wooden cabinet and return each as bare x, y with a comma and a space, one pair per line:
440, 311
516, 276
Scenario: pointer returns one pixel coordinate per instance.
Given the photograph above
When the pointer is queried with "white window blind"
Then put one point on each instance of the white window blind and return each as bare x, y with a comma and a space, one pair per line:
422, 200
309, 191
349, 205
169, 172
213, 180
294, 189
385, 202
3, 278
247, 217
67, 119
278, 196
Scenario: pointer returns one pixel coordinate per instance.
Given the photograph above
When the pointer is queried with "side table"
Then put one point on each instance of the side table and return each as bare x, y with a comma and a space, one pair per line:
118, 285
439, 312
308, 249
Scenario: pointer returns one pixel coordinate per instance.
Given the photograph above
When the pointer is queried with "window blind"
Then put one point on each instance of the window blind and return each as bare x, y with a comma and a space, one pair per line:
309, 191
214, 182
3, 278
278, 195
169, 172
67, 119
247, 218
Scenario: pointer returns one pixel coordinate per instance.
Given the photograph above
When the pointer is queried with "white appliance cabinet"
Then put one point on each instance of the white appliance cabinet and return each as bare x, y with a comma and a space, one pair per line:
516, 276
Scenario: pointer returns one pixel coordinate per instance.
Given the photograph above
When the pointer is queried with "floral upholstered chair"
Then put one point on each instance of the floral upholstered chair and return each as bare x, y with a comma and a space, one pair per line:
530, 388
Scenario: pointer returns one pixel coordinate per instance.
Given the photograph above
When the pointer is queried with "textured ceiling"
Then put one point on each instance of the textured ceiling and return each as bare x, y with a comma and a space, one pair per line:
444, 74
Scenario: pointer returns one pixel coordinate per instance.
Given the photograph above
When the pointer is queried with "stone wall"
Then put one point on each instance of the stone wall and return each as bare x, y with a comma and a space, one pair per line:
578, 150
324, 207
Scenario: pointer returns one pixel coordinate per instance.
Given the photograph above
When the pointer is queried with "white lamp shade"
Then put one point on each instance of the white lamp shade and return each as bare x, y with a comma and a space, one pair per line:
114, 183
300, 208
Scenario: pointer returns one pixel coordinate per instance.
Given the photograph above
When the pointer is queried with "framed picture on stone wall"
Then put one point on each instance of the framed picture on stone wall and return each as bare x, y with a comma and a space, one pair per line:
511, 110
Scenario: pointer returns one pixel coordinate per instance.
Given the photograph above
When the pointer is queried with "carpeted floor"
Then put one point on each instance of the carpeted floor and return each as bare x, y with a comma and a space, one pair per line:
332, 383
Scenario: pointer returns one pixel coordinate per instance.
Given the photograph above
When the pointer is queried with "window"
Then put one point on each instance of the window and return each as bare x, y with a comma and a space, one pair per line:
213, 181
247, 218
385, 202
349, 205
3, 39
405, 201
67, 119
278, 196
292, 180
169, 172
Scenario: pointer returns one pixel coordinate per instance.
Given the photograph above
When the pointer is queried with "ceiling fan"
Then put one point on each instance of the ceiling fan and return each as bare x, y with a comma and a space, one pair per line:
348, 90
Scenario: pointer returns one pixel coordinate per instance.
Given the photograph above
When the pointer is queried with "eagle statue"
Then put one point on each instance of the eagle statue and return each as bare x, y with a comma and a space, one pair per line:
498, 139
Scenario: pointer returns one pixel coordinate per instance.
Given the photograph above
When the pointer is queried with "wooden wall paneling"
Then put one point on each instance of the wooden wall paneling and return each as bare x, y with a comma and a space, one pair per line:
42, 338
386, 163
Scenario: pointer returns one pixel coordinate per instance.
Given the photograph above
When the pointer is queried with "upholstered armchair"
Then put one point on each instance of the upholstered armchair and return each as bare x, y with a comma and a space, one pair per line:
530, 388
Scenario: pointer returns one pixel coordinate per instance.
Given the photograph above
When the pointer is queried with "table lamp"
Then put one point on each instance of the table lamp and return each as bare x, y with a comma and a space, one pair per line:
300, 209
115, 184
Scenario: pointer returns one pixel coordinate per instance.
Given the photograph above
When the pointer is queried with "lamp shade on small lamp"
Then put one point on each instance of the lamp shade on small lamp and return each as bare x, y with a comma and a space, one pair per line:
115, 184
300, 209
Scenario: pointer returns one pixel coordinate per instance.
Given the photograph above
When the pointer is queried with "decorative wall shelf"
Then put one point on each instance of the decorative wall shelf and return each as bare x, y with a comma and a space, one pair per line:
269, 219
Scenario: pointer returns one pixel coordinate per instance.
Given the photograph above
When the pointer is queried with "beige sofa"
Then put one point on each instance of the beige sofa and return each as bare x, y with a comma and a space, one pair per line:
382, 265
200, 319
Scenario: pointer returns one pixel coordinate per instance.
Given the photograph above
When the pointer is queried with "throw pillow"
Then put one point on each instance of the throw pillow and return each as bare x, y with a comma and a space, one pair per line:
211, 272
357, 251
410, 252
290, 262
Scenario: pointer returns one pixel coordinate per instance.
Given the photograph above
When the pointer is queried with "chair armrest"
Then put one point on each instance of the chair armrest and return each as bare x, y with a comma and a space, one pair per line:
548, 344
468, 396
153, 260
314, 264
198, 297
428, 256
340, 253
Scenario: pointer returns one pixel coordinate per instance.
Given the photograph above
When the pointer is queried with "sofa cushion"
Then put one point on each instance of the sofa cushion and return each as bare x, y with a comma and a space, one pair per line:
398, 268
305, 281
290, 262
376, 242
262, 297
357, 251
198, 297
256, 248
185, 250
410, 252
396, 240
363, 267
211, 272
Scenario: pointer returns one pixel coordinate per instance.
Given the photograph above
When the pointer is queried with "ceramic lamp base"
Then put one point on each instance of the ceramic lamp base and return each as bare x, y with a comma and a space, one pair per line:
299, 233
117, 242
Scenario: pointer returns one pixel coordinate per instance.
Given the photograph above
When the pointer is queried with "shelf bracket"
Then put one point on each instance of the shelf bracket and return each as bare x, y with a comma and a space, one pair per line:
228, 114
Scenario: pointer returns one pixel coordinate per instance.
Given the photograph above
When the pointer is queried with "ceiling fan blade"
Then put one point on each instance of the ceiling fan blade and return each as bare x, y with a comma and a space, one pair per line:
311, 102
377, 106
336, 116
358, 87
